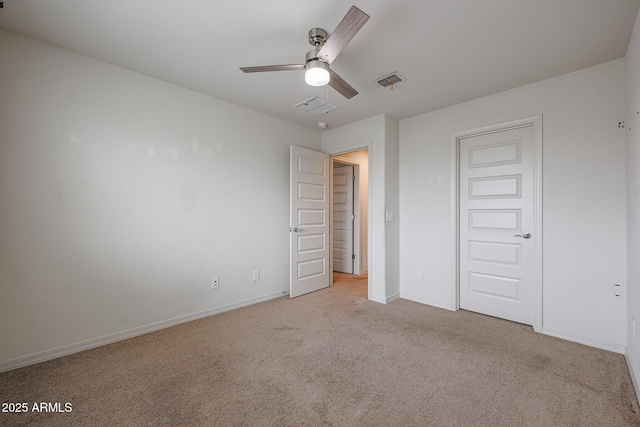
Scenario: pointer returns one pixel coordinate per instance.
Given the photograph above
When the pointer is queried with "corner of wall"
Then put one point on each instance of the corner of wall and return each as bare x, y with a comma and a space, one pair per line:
632, 124
392, 205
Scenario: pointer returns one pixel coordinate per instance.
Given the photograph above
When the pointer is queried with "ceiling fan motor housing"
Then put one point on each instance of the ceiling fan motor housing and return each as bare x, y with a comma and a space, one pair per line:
312, 55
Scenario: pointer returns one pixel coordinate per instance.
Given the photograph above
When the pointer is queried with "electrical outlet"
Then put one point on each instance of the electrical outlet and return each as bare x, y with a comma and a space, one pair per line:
256, 275
215, 283
420, 274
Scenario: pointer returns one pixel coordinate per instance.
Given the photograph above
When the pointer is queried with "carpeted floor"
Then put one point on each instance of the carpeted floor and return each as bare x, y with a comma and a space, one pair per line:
332, 358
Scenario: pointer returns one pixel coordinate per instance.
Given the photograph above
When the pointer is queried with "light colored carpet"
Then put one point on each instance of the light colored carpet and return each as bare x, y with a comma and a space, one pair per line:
332, 358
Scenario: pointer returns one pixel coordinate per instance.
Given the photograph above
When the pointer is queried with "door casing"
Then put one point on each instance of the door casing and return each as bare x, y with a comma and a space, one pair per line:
536, 122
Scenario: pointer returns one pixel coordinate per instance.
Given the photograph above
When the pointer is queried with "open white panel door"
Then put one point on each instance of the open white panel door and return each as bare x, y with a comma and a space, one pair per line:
309, 221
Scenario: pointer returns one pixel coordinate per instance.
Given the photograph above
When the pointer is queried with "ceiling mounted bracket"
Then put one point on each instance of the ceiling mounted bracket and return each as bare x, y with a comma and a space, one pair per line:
317, 36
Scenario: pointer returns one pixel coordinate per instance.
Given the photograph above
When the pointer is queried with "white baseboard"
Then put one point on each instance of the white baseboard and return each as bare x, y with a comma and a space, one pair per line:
42, 356
603, 345
591, 342
414, 298
381, 300
393, 297
633, 374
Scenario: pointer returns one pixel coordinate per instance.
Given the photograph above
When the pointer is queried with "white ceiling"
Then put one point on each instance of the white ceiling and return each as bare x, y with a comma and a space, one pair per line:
449, 51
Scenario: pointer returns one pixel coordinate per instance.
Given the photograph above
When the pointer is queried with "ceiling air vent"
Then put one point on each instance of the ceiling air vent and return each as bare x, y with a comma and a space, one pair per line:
389, 79
316, 106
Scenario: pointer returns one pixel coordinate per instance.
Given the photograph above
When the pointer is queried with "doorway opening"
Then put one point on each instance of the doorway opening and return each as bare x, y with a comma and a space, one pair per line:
350, 207
310, 226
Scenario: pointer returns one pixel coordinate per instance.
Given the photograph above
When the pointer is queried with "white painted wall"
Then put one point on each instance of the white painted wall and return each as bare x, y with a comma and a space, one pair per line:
361, 158
583, 200
122, 195
392, 206
633, 202
371, 133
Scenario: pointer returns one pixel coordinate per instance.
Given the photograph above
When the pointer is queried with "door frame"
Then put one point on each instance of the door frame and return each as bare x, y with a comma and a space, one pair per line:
367, 145
356, 211
536, 123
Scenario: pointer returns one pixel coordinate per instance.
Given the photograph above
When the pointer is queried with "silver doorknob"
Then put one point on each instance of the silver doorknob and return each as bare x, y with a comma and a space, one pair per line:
295, 229
524, 236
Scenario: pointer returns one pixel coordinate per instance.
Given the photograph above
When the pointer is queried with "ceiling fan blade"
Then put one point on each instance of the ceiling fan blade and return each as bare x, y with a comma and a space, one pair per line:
259, 69
352, 22
339, 84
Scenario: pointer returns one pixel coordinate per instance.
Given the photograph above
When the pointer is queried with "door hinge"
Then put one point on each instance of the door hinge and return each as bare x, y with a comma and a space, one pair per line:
353, 178
353, 256
353, 217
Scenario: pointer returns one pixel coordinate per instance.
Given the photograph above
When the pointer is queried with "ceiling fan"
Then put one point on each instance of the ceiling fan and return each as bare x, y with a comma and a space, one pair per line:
326, 49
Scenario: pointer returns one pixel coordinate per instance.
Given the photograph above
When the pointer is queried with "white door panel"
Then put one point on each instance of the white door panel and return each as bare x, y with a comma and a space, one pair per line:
343, 219
496, 203
309, 219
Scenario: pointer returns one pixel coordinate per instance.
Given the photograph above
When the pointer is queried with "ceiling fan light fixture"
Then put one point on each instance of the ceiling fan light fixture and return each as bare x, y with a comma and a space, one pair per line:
325, 50
317, 73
